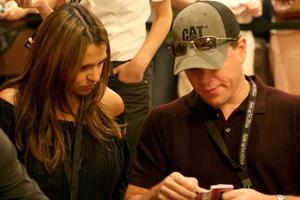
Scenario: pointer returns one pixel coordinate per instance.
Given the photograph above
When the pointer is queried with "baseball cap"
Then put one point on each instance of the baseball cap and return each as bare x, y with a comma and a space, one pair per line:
201, 19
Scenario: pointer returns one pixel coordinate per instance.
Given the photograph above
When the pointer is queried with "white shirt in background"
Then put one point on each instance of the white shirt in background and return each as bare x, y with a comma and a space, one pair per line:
124, 21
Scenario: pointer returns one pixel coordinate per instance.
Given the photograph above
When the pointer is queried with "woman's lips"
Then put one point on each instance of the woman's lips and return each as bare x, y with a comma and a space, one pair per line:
88, 87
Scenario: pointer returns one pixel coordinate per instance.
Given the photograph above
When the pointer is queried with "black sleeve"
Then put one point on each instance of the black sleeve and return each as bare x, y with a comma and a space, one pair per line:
14, 180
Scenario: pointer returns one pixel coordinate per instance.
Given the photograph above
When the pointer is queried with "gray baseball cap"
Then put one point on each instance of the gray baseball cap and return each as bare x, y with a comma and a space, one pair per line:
201, 19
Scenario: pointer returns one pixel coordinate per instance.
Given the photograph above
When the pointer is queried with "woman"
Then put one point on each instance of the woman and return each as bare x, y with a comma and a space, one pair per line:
65, 136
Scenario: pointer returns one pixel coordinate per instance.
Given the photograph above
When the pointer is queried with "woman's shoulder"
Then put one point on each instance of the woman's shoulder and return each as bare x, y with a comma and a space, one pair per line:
112, 102
9, 95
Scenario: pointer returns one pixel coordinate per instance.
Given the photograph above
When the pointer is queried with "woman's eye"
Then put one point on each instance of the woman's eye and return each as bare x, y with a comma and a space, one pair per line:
83, 67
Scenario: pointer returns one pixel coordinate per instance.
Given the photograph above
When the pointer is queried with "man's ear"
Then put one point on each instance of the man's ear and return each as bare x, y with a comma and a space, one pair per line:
241, 48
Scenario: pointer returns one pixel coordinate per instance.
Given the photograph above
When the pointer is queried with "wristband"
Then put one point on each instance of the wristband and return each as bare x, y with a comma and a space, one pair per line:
280, 197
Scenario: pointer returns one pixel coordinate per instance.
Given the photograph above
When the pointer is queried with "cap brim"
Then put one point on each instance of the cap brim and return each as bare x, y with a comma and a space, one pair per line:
209, 59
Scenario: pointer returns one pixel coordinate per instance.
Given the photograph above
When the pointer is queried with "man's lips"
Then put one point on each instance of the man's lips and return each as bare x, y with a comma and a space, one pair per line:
210, 89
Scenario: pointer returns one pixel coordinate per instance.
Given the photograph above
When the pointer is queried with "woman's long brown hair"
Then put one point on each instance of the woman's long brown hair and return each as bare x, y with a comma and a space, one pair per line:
56, 54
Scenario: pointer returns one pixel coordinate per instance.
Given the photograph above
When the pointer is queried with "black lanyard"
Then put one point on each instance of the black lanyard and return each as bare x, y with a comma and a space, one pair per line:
72, 171
241, 167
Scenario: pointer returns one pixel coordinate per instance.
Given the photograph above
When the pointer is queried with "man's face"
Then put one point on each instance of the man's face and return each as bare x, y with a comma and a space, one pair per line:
221, 86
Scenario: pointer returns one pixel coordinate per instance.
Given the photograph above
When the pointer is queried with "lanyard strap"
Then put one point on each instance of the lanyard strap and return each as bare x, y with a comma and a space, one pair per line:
241, 167
72, 172
248, 121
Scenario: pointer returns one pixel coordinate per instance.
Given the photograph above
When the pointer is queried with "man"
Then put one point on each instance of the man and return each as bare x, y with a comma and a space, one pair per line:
231, 129
14, 180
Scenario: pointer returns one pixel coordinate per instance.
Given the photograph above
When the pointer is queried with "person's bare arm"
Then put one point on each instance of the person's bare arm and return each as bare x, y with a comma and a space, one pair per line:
253, 7
160, 27
44, 7
17, 13
133, 70
180, 4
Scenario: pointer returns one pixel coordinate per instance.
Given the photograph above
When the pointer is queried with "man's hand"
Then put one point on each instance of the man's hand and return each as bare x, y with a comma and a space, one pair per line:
173, 187
246, 194
176, 186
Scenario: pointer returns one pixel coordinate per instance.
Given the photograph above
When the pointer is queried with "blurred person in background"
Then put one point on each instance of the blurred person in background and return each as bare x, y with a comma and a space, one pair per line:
284, 48
14, 180
10, 11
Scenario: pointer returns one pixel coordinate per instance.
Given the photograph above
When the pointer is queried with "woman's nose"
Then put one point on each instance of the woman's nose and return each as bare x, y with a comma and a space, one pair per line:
94, 74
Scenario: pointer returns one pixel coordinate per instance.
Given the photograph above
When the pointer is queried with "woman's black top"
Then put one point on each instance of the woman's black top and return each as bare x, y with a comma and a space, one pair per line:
103, 171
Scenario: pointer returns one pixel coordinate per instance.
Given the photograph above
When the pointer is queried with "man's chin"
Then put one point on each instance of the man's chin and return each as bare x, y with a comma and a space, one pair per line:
214, 102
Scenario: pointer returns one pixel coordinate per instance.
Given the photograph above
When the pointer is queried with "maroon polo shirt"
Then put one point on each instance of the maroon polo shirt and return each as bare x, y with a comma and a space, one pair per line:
175, 138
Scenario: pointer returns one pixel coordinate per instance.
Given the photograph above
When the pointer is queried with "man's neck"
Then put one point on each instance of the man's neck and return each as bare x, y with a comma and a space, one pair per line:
238, 97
